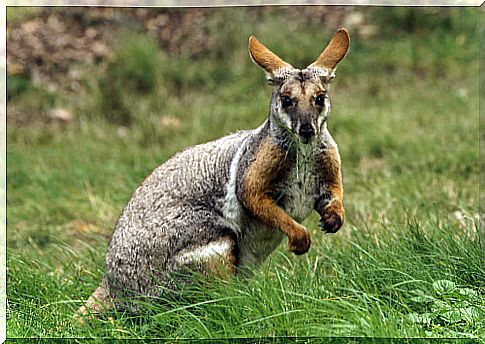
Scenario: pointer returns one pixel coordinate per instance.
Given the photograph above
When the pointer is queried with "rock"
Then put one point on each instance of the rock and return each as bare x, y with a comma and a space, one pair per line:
61, 115
170, 122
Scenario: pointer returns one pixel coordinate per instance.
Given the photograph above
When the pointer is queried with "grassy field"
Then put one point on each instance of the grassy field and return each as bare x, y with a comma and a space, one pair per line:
408, 261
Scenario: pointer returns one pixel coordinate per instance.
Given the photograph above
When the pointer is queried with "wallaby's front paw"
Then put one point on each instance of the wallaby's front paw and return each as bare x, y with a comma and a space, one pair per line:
332, 217
299, 240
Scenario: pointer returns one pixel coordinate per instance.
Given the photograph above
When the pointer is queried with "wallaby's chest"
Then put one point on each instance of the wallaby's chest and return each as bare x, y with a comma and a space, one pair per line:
298, 190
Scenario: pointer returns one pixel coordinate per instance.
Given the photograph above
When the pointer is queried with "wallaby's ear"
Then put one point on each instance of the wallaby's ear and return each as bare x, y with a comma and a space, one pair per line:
335, 50
264, 57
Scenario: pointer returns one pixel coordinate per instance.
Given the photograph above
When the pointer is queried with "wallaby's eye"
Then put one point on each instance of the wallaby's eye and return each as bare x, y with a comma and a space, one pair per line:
320, 100
286, 101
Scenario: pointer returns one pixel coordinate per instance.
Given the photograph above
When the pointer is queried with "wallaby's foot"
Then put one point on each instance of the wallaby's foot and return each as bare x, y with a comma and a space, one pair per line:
332, 217
96, 304
299, 240
93, 306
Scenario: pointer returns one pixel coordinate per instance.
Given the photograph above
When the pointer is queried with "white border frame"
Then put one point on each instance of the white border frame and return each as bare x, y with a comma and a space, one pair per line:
138, 3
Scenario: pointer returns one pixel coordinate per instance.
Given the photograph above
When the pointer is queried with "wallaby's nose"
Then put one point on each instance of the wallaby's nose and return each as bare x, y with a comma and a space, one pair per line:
306, 132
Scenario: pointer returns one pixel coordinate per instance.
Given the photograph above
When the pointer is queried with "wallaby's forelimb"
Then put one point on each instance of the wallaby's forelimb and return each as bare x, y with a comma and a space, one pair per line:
269, 164
329, 205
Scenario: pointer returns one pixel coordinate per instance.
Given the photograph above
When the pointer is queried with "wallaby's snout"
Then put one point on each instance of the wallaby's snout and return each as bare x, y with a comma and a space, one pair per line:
306, 132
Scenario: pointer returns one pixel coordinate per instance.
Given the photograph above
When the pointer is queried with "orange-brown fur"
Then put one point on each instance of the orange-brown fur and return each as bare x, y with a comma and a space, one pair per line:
335, 51
221, 265
264, 57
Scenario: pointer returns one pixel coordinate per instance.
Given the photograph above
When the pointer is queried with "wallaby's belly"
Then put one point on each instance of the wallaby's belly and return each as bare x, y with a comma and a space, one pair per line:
257, 243
298, 199
300, 192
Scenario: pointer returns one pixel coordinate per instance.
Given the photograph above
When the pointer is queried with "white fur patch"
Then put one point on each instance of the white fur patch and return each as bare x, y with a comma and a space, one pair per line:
323, 116
322, 73
285, 118
232, 209
205, 253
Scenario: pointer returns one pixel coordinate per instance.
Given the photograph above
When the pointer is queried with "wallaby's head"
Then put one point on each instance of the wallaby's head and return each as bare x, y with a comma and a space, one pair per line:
300, 101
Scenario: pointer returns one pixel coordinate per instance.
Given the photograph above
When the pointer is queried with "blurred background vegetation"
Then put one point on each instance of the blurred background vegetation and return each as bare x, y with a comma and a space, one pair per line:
98, 97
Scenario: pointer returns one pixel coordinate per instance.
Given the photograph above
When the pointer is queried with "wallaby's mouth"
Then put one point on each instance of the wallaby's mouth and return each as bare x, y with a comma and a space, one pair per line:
305, 141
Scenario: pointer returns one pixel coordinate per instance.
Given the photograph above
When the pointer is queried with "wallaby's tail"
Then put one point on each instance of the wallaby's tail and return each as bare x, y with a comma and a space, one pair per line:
98, 302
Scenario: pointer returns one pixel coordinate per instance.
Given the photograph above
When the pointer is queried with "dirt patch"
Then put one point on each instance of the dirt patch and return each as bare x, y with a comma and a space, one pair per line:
60, 49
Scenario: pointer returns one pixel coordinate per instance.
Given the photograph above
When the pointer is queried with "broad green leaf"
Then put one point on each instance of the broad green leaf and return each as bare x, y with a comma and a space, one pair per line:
423, 299
441, 307
471, 314
444, 287
424, 318
467, 292
453, 316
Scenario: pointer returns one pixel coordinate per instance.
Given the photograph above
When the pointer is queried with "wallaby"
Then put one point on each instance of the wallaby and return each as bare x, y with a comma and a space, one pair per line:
227, 204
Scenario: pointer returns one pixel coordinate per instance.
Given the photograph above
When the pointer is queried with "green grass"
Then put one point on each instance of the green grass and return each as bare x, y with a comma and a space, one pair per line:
408, 261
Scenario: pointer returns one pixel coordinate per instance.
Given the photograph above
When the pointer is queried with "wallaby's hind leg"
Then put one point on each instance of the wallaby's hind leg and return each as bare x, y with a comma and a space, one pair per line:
217, 258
